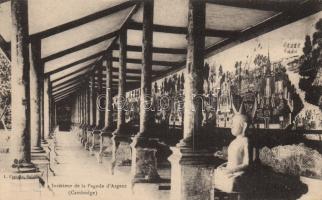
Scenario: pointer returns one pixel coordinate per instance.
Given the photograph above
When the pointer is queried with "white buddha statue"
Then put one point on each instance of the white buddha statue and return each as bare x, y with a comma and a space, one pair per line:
238, 156
236, 175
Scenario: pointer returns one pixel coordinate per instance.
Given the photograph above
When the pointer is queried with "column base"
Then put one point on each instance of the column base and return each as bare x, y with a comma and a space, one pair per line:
43, 141
79, 132
83, 140
144, 160
191, 173
23, 168
88, 139
106, 144
36, 150
95, 145
83, 136
121, 151
42, 162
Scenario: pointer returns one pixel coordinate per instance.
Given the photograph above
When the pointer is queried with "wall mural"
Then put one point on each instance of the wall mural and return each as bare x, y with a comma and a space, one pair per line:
276, 79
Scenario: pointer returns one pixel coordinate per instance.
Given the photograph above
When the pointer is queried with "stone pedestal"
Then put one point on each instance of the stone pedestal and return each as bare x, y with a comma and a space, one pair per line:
191, 173
121, 151
23, 168
89, 140
43, 163
95, 144
106, 144
144, 161
83, 137
80, 131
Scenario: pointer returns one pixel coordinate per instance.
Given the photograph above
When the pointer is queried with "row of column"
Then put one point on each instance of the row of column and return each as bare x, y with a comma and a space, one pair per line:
32, 122
33, 116
193, 156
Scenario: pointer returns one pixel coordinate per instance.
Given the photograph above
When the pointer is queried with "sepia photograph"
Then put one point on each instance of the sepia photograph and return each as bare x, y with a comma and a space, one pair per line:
161, 99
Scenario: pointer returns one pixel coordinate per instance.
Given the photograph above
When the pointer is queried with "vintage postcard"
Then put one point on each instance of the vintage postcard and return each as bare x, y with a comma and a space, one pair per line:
161, 99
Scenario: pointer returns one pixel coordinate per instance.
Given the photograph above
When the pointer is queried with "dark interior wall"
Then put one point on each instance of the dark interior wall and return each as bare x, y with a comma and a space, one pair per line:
64, 116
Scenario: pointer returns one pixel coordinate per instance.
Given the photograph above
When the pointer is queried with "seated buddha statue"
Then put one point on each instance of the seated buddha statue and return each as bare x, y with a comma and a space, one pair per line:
226, 176
252, 182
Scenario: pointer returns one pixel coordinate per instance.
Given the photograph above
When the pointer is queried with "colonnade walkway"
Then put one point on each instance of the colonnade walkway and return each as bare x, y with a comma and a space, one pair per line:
74, 165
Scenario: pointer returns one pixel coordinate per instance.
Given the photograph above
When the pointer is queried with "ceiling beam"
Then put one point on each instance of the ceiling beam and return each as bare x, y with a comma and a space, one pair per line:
72, 90
62, 93
123, 26
5, 47
76, 63
84, 20
67, 86
154, 62
77, 79
303, 10
63, 97
183, 30
66, 93
66, 90
57, 100
87, 67
81, 46
155, 49
74, 79
264, 5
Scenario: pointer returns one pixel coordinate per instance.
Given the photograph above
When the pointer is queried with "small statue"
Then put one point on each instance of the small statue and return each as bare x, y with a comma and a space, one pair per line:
226, 175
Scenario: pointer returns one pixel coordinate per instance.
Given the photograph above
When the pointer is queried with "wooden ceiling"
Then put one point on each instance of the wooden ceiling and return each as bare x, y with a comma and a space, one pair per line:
76, 34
